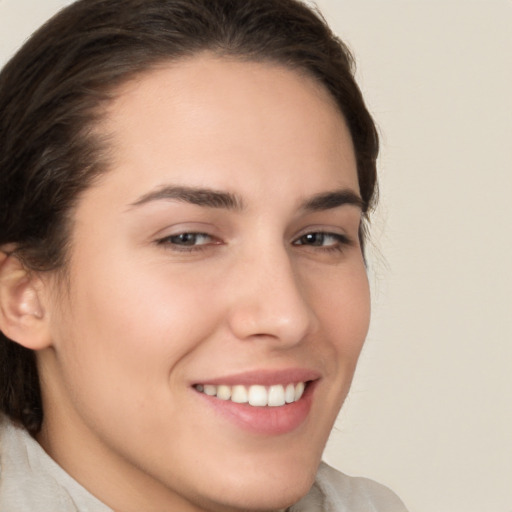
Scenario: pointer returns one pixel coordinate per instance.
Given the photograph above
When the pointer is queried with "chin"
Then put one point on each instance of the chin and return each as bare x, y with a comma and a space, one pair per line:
274, 496
267, 485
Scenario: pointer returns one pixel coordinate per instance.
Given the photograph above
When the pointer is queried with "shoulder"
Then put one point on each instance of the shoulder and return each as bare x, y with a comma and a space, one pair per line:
30, 480
22, 486
334, 491
358, 491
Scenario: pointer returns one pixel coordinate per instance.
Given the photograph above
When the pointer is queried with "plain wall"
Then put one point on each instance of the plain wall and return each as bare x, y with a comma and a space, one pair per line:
430, 411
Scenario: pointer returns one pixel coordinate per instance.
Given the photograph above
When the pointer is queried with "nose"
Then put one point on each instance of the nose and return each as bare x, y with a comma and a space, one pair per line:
270, 300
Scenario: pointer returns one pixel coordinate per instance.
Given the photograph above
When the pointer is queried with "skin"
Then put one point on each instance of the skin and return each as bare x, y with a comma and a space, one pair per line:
141, 317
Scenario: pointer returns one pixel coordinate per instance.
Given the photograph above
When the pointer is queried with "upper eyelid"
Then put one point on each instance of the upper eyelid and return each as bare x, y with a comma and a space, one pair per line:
340, 241
204, 228
341, 237
303, 232
185, 232
322, 228
166, 244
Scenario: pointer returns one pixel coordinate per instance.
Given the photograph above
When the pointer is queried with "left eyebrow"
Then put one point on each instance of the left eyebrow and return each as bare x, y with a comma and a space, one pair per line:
334, 199
199, 196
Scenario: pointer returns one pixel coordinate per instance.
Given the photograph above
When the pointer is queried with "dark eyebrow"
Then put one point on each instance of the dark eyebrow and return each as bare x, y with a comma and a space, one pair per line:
329, 200
198, 196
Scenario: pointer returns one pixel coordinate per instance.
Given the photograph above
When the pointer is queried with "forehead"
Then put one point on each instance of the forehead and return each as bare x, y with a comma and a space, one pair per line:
215, 118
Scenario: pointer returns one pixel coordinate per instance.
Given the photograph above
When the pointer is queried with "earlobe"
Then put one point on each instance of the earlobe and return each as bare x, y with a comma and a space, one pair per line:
22, 313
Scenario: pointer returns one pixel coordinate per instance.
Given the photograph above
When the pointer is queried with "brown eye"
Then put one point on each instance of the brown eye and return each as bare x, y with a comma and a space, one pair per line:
320, 239
187, 239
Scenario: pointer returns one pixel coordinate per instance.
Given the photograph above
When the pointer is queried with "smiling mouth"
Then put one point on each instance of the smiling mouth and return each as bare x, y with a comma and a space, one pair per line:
256, 395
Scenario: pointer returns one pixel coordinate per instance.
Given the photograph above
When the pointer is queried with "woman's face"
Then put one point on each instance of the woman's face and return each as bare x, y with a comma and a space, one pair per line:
218, 256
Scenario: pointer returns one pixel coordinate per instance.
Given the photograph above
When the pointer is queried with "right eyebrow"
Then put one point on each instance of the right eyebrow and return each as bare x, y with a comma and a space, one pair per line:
206, 197
334, 199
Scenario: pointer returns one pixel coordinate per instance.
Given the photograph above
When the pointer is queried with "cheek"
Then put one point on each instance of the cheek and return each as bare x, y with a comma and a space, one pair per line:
343, 312
128, 331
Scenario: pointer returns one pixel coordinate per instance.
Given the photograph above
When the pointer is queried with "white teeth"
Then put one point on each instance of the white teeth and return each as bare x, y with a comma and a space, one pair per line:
299, 390
210, 390
276, 396
256, 395
289, 394
239, 395
224, 392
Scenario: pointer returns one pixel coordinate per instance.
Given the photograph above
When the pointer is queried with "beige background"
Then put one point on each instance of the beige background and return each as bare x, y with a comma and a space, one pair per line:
430, 412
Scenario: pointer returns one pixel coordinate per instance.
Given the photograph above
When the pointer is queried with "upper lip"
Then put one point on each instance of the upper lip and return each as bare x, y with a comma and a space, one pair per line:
264, 377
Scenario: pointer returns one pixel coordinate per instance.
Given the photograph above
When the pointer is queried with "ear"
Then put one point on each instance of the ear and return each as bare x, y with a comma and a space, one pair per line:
22, 314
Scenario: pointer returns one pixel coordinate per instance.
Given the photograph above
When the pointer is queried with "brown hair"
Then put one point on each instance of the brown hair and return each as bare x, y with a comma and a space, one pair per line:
53, 90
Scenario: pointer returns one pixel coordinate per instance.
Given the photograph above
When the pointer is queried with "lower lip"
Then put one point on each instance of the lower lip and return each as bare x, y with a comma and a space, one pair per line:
265, 420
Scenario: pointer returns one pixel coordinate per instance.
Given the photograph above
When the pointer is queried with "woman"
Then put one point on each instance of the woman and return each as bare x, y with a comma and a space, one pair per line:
183, 297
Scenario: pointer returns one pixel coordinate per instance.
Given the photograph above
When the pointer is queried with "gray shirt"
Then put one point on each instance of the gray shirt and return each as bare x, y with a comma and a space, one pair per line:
31, 481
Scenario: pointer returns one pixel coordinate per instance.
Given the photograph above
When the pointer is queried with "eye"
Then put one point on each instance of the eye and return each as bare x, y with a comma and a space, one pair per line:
188, 241
329, 241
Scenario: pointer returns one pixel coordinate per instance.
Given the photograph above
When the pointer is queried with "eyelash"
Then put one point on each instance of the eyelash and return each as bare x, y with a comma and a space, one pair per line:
180, 241
173, 241
340, 241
